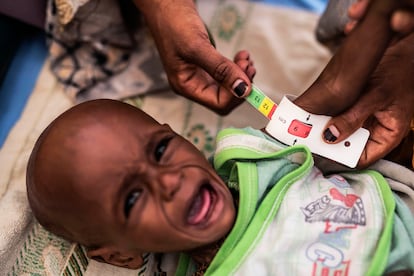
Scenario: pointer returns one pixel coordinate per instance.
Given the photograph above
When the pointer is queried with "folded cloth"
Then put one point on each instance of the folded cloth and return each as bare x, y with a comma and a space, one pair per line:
102, 49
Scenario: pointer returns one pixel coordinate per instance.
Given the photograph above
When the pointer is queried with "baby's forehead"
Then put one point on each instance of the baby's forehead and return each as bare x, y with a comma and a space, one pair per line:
101, 116
85, 142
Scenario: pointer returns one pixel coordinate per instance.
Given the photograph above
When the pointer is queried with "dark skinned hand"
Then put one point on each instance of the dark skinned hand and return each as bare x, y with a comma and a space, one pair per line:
402, 20
195, 69
384, 104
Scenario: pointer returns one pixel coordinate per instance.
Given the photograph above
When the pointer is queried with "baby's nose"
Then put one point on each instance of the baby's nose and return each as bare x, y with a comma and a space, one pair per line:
169, 183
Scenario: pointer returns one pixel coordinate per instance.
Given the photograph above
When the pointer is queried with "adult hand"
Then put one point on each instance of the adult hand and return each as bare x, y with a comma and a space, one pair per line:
384, 104
387, 106
195, 69
402, 20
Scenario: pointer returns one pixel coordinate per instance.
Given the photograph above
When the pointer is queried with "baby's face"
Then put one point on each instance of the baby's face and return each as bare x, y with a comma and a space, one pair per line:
149, 188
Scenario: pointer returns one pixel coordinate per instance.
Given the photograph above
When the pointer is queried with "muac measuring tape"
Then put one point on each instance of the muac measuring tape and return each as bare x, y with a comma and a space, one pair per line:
292, 125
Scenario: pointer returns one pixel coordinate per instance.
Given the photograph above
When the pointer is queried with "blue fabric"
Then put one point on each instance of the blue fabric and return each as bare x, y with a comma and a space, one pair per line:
316, 6
20, 80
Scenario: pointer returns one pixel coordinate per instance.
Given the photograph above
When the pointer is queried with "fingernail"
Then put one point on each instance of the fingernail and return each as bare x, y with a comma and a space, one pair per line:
400, 21
239, 87
331, 134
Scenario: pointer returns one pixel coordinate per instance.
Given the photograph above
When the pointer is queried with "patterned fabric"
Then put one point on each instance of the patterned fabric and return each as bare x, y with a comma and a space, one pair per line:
54, 252
101, 49
281, 193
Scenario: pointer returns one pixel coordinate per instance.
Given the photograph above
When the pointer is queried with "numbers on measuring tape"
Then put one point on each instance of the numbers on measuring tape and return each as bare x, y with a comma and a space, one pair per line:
299, 129
261, 102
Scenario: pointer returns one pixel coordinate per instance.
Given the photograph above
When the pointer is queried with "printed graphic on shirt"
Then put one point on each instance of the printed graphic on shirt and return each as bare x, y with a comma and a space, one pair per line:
339, 213
336, 207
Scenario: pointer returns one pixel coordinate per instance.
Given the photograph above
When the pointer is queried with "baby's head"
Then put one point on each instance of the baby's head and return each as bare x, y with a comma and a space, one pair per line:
110, 177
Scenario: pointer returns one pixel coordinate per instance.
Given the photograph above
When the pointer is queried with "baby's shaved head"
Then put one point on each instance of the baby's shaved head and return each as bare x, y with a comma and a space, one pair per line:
108, 176
58, 166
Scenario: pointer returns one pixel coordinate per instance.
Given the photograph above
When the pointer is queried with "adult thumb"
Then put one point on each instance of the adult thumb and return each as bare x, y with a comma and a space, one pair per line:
342, 126
224, 71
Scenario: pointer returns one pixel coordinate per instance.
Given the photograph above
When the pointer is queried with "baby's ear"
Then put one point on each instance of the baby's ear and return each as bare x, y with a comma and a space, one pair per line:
113, 257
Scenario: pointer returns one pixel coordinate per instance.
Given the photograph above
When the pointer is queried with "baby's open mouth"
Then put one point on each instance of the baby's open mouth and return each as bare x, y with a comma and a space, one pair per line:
202, 205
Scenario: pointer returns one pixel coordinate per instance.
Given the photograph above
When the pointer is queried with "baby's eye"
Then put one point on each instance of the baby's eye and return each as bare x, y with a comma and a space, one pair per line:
160, 148
130, 201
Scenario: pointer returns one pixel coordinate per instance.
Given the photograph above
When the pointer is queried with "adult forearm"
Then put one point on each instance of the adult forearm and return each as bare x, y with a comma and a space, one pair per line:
159, 12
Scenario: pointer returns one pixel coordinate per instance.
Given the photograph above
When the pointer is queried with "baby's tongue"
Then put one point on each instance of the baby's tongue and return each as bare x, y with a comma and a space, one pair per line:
200, 207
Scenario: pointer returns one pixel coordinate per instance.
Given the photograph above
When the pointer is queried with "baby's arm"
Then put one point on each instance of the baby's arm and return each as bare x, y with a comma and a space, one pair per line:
355, 60
348, 89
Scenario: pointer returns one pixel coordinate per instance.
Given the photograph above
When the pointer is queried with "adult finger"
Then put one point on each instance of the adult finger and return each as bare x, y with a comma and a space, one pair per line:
342, 126
245, 63
385, 135
223, 70
357, 10
374, 112
403, 21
